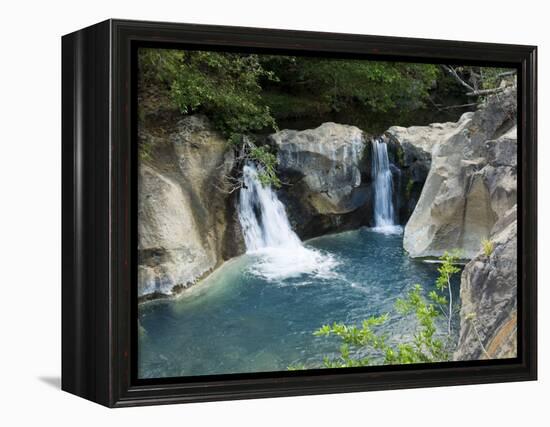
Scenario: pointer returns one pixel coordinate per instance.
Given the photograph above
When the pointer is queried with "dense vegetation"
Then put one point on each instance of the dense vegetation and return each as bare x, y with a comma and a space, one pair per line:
249, 95
244, 93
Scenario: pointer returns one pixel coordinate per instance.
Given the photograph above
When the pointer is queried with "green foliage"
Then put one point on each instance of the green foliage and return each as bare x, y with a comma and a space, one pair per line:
297, 367
483, 78
447, 269
260, 155
490, 77
285, 105
145, 151
352, 336
268, 162
336, 84
425, 345
243, 93
225, 86
488, 247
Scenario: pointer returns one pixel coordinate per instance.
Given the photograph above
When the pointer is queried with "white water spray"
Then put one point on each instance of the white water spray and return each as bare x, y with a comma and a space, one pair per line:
269, 236
384, 216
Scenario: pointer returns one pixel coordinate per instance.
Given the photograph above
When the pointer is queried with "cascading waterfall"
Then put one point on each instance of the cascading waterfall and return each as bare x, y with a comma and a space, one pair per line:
269, 236
263, 216
384, 216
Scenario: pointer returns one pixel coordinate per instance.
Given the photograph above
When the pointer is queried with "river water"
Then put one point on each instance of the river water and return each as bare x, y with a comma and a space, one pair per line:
258, 312
244, 318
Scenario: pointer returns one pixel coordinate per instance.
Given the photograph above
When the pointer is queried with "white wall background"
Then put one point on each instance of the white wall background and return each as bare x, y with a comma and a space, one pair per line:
30, 211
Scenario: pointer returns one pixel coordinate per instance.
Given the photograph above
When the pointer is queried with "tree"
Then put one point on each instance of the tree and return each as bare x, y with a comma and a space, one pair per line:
224, 86
479, 81
324, 85
248, 151
446, 271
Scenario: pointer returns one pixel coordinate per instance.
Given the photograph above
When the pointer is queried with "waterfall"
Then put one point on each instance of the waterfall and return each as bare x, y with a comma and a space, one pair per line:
269, 236
263, 216
384, 216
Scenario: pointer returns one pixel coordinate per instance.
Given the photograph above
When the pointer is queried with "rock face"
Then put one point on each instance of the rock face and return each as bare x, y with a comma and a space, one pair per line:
470, 195
471, 182
327, 175
411, 150
488, 315
186, 225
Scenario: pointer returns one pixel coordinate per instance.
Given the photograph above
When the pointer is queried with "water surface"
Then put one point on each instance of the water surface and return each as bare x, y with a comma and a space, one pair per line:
258, 312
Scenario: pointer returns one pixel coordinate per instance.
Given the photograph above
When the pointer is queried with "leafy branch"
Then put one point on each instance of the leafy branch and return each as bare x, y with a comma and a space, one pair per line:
248, 152
446, 271
426, 344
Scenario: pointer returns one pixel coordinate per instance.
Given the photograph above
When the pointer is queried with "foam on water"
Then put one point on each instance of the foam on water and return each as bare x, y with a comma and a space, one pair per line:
388, 229
277, 264
279, 254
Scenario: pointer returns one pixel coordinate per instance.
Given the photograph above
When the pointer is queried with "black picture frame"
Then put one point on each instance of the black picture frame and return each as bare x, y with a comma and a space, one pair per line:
99, 165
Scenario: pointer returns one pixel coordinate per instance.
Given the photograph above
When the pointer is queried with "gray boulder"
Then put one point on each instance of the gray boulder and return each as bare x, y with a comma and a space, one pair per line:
326, 172
471, 182
411, 150
171, 251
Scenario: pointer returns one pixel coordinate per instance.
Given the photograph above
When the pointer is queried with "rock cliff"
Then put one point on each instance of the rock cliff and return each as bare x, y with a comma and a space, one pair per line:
471, 182
187, 223
470, 196
488, 291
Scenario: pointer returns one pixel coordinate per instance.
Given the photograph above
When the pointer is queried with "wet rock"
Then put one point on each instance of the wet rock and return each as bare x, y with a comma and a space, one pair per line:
326, 172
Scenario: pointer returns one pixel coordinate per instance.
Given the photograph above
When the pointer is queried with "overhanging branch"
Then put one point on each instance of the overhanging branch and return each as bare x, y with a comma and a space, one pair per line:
483, 92
452, 72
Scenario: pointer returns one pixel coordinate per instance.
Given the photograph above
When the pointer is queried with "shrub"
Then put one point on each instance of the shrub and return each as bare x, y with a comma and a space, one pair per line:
268, 161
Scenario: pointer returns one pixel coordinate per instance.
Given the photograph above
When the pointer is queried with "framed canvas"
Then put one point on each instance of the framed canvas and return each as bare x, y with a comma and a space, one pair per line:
256, 213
